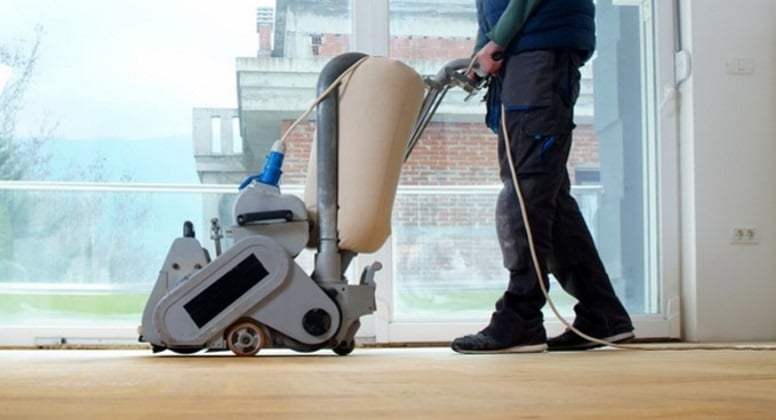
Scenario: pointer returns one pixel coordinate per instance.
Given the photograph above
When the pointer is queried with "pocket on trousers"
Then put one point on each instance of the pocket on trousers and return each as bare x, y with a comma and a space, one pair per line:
542, 144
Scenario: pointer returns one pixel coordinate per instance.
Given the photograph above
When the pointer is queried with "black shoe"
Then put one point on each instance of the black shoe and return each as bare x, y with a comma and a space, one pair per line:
569, 341
482, 343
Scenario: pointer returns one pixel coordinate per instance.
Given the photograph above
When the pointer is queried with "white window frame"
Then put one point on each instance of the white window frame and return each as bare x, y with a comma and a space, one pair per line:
371, 35
662, 196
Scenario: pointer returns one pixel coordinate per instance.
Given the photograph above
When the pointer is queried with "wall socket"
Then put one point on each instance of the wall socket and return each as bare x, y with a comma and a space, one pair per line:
745, 235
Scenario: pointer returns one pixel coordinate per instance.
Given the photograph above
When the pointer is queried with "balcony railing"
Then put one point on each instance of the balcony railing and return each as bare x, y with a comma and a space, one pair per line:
90, 252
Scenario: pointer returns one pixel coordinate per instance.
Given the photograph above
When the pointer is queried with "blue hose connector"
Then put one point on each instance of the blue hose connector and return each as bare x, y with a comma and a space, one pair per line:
273, 168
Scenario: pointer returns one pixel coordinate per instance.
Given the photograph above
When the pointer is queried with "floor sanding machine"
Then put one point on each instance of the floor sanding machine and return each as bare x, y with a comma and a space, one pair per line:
254, 295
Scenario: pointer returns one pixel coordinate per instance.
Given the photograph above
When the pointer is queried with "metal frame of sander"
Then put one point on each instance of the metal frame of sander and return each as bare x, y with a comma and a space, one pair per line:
254, 295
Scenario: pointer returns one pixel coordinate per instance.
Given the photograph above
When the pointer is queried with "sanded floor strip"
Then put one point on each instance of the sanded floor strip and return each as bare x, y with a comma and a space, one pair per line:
388, 383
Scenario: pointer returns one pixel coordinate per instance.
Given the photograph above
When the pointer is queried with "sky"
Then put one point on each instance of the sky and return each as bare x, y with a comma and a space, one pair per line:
129, 69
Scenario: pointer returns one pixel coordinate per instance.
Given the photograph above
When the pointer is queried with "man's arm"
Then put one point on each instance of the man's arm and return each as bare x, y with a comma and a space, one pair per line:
512, 20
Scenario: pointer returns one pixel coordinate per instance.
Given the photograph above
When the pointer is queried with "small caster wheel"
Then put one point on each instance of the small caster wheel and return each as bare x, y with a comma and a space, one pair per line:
345, 349
245, 338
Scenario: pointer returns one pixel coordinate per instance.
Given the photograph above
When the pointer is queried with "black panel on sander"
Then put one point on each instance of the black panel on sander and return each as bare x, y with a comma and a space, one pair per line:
219, 295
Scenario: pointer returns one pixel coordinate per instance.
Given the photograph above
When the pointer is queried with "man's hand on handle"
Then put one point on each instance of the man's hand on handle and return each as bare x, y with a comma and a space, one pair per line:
489, 59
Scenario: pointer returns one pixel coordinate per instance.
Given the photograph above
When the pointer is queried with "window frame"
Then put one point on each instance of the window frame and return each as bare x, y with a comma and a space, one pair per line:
370, 31
661, 196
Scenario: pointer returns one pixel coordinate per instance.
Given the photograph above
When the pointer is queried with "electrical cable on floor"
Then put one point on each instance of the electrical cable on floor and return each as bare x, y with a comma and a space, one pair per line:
540, 277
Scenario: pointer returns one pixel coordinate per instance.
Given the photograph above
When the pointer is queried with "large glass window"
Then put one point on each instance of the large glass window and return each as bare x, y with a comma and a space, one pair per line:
447, 264
86, 255
113, 133
120, 121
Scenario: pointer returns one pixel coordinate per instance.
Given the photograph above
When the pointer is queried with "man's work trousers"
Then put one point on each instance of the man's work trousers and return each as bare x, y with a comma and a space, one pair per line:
539, 91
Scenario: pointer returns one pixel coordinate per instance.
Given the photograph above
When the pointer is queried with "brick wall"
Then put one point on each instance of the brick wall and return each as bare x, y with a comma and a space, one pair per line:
297, 152
434, 48
403, 48
333, 44
447, 154
440, 237
443, 237
446, 237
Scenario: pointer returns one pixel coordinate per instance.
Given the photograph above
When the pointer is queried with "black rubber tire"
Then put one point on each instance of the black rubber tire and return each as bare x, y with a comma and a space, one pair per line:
344, 349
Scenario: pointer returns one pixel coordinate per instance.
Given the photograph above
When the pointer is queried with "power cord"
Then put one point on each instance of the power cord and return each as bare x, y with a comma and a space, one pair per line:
540, 276
335, 84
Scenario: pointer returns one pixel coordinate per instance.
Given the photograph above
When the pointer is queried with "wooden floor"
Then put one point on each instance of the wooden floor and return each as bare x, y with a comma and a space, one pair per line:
388, 383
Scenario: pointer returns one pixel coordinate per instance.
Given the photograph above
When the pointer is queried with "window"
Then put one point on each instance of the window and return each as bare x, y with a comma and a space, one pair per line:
125, 134
587, 175
316, 40
447, 264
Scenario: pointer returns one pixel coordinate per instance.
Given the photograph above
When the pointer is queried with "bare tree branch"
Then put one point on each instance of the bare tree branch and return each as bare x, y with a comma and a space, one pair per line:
19, 159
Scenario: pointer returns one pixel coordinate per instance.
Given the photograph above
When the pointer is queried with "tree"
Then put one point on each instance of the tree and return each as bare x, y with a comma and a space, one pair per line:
51, 235
20, 159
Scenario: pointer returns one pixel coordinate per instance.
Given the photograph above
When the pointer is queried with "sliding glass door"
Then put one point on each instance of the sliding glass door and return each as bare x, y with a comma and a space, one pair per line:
119, 142
446, 264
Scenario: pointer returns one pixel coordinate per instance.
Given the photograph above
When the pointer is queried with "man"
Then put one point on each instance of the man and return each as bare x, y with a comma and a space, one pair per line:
532, 50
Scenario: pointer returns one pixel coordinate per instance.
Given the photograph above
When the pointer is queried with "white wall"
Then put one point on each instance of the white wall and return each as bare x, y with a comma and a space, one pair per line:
728, 170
